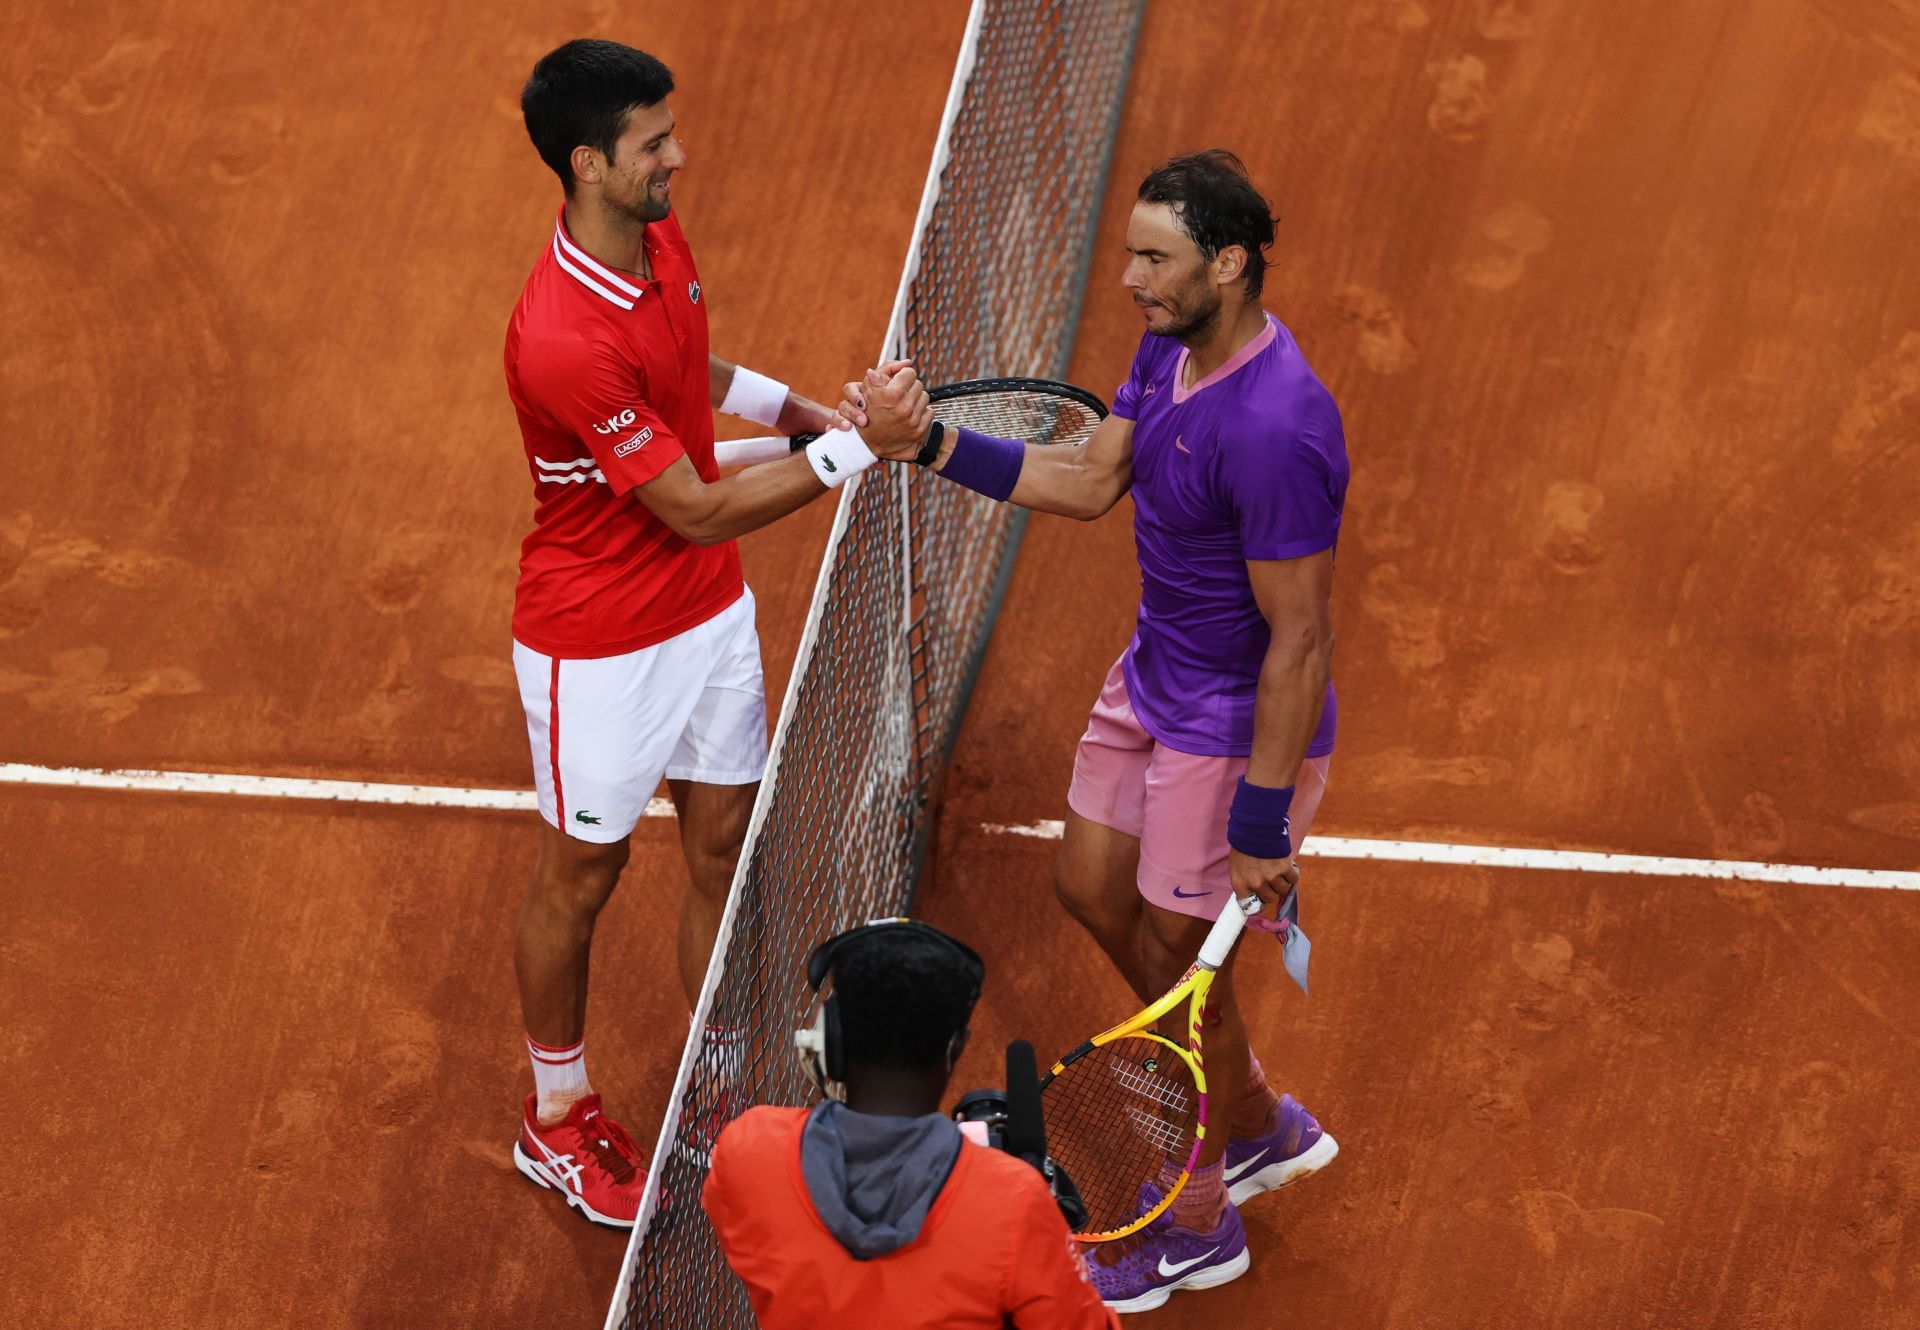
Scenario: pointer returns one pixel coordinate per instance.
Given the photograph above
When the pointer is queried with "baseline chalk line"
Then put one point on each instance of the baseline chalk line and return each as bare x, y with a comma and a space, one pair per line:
1562, 861
282, 787
1318, 847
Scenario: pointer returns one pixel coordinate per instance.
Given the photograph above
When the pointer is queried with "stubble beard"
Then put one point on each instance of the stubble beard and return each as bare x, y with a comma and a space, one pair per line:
1195, 321
643, 208
647, 209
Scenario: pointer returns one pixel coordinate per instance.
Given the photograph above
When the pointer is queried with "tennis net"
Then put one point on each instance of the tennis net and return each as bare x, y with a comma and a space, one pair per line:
913, 575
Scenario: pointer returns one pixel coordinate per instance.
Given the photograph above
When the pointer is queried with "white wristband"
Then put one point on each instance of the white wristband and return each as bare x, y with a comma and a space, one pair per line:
839, 455
754, 397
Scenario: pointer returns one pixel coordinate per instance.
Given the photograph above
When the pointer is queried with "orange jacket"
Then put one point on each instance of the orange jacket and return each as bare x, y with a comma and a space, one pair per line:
993, 1247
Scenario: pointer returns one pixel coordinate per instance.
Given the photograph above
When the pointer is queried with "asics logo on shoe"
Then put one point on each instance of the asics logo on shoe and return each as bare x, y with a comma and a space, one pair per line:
1168, 1269
1233, 1174
559, 1167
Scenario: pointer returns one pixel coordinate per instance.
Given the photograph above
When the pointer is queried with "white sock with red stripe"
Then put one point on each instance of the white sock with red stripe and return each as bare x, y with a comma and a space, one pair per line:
559, 1078
724, 1047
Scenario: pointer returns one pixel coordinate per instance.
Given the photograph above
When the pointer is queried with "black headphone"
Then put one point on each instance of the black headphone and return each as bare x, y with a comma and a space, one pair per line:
822, 1050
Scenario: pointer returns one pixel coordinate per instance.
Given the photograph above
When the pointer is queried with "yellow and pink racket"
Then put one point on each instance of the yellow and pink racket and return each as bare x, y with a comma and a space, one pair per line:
1128, 1107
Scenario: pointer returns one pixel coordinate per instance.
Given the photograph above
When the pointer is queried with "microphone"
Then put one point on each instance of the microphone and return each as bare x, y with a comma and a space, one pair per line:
1026, 1128
1026, 1134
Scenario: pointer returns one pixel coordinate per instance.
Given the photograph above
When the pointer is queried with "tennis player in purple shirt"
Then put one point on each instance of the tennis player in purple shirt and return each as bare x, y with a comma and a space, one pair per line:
1206, 755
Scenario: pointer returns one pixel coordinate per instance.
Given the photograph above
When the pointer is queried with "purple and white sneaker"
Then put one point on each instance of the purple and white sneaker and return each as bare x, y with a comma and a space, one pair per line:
1165, 1257
1295, 1146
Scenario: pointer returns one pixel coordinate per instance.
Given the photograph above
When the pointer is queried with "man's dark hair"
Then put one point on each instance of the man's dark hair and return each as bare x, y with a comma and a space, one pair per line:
1217, 206
901, 999
580, 93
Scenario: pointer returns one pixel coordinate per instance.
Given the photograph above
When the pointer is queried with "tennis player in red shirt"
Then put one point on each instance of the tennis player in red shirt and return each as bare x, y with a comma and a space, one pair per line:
633, 631
872, 1211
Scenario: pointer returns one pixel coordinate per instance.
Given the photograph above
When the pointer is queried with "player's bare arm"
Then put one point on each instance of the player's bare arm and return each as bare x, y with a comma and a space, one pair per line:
1082, 480
1295, 598
707, 514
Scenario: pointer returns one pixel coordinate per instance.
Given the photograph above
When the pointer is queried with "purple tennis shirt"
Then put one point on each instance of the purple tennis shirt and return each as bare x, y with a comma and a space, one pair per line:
1248, 463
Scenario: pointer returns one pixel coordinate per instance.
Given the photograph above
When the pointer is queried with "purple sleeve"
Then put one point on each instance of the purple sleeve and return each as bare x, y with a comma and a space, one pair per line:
1284, 493
1126, 398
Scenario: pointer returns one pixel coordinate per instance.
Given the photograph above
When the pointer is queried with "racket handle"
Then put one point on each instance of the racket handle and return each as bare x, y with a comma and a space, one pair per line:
1226, 931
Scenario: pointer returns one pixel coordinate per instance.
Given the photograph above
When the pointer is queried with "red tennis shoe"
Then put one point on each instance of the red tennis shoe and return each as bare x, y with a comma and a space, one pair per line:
587, 1157
699, 1131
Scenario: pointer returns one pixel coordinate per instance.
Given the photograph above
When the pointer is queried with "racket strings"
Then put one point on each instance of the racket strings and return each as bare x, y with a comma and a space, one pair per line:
1034, 417
1120, 1116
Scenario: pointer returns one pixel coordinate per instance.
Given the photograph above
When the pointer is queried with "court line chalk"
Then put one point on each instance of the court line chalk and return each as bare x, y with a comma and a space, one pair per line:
282, 787
1562, 861
1320, 847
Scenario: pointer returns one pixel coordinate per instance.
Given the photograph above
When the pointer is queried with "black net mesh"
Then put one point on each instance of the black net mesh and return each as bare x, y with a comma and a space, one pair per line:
915, 575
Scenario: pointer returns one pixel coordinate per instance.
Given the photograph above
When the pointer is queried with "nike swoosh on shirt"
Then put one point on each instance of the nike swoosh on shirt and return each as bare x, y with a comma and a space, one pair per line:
1233, 1174
1168, 1269
1181, 445
1190, 895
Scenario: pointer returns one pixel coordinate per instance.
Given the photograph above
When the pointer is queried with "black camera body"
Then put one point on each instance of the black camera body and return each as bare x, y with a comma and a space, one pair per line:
1014, 1125
989, 1107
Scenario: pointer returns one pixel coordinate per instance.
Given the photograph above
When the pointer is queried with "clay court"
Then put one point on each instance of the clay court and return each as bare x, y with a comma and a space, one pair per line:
1621, 302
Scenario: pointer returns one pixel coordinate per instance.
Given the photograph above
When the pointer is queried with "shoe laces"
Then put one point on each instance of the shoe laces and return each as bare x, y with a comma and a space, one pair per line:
609, 1143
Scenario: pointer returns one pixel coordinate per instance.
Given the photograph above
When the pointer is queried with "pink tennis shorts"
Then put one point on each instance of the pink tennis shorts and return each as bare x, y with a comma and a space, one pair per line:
1175, 802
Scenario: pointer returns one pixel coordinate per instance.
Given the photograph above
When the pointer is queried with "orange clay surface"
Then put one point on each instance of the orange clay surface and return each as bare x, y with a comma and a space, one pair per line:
1622, 304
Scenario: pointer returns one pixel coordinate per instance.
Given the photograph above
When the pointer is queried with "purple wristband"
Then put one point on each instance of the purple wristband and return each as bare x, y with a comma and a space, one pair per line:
984, 464
1257, 821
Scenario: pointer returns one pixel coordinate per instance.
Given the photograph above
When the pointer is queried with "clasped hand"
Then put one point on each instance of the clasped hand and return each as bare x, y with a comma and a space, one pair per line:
889, 407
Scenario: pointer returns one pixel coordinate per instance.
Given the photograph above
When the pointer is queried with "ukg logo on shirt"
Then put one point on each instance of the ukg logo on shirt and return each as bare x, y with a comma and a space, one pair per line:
614, 424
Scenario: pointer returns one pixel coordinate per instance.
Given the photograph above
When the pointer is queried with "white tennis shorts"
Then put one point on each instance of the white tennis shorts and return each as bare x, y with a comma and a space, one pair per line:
604, 732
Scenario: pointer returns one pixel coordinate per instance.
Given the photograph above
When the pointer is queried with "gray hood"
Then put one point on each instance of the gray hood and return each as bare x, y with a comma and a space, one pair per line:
874, 1178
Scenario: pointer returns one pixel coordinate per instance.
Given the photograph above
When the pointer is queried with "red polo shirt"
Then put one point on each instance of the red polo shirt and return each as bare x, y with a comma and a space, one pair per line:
608, 374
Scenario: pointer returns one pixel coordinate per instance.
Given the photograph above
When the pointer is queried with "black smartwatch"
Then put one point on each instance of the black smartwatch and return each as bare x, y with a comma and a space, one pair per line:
930, 450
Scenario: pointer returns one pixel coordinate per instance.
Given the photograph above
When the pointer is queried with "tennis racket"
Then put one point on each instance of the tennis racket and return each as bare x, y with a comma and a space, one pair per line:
1129, 1106
1031, 410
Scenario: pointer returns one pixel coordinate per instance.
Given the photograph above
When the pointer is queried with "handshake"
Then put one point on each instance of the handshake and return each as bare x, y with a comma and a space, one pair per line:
890, 408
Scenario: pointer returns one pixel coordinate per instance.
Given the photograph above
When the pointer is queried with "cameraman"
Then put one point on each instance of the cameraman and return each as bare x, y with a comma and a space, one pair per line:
874, 1212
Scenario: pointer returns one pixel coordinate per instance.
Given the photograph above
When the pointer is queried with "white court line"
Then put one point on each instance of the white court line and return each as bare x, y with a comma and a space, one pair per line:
282, 787
1563, 861
1320, 847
